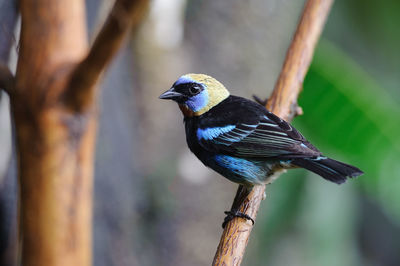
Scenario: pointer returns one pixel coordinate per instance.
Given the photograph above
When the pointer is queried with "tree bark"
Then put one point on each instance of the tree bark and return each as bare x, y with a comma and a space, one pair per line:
54, 147
55, 130
283, 102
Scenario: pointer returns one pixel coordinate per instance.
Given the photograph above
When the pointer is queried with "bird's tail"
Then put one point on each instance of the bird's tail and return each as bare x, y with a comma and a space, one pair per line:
329, 169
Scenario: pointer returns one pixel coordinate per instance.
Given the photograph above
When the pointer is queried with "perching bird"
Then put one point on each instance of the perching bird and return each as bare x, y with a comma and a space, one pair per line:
241, 139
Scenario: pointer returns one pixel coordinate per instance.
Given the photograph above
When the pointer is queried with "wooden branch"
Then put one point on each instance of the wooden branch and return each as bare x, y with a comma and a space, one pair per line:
124, 15
55, 146
54, 149
298, 58
282, 102
6, 79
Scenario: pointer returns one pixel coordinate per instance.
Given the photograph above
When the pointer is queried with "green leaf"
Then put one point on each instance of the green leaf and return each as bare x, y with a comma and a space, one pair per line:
351, 118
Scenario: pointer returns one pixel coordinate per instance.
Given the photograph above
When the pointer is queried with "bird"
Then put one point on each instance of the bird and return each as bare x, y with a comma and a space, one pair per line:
243, 141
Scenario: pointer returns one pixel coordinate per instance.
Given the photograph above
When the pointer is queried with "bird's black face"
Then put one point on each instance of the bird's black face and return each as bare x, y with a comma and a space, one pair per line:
183, 90
196, 93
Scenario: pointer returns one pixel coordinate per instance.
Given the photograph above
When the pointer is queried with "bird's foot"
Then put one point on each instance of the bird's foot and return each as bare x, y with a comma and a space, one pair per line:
235, 213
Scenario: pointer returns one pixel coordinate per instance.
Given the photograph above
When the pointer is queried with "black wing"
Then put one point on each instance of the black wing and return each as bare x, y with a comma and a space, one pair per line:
256, 133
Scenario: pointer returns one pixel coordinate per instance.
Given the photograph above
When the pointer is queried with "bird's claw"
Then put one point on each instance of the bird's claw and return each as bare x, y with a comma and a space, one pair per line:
235, 213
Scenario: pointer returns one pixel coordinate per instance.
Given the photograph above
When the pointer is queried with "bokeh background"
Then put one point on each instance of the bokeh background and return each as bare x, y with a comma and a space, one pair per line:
155, 204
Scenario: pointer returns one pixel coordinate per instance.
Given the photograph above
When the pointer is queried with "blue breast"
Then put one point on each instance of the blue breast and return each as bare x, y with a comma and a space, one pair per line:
241, 170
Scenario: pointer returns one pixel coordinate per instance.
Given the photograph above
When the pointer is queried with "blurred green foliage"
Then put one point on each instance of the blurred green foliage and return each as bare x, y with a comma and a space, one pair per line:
348, 113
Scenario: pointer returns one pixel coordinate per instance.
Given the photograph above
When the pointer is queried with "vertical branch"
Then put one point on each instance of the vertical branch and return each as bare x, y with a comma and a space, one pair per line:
54, 148
234, 239
298, 58
123, 15
56, 126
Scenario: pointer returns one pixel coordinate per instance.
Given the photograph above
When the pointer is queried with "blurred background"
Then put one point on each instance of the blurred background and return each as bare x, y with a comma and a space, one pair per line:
155, 204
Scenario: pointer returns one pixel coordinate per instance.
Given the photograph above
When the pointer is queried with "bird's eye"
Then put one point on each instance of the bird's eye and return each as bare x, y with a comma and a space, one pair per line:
195, 89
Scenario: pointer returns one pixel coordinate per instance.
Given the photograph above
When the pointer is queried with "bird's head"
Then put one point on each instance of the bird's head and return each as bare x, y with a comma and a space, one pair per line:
196, 93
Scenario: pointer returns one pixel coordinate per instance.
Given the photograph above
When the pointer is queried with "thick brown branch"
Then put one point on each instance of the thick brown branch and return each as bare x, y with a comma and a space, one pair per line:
55, 156
6, 79
284, 97
55, 146
124, 15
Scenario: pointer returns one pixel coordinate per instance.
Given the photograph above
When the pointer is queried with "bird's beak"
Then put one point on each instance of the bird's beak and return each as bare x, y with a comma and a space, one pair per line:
170, 94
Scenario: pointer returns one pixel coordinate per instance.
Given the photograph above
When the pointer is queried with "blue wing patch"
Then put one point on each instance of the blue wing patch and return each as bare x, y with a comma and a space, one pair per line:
213, 132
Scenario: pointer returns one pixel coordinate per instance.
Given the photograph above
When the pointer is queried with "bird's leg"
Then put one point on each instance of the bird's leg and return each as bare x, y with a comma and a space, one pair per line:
258, 100
241, 195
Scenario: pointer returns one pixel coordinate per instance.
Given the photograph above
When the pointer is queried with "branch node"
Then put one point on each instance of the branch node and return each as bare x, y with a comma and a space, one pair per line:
298, 111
